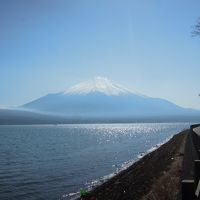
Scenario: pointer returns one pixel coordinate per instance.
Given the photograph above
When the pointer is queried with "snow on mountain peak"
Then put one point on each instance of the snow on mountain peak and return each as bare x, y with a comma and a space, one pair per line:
98, 84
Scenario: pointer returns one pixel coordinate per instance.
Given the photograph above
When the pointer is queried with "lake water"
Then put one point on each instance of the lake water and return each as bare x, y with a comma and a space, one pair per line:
40, 162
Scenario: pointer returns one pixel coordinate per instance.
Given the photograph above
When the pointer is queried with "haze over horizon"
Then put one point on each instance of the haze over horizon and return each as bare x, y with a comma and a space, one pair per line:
146, 46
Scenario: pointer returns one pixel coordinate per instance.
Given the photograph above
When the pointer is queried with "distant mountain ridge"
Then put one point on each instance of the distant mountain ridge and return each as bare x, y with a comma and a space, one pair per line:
102, 98
15, 117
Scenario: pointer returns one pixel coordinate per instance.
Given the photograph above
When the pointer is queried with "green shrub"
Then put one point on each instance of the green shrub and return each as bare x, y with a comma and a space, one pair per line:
83, 192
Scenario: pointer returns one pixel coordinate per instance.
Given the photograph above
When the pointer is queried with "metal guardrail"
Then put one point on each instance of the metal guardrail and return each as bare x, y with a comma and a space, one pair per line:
191, 166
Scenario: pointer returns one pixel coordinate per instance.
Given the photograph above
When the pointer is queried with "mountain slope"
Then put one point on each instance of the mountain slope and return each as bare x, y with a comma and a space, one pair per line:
101, 98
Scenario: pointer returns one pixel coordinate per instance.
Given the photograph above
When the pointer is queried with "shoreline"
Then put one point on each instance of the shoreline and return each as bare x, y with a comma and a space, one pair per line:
98, 123
135, 181
125, 165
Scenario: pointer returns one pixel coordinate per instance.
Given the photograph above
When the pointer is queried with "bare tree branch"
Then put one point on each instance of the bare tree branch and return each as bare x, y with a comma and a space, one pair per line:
196, 29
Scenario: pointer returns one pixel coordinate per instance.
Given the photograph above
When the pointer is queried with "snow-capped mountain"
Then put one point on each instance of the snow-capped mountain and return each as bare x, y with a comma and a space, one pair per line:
98, 84
101, 98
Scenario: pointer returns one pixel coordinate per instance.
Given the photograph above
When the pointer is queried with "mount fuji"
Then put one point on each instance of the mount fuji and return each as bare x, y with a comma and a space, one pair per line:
101, 98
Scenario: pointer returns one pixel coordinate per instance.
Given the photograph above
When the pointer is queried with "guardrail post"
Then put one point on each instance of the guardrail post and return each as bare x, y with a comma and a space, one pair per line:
196, 171
188, 190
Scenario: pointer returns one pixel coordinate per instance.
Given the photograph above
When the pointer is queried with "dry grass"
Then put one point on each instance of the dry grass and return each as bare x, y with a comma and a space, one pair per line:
165, 190
168, 185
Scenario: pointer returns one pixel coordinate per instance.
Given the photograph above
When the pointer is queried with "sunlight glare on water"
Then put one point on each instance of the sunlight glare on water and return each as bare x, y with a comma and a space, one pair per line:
55, 161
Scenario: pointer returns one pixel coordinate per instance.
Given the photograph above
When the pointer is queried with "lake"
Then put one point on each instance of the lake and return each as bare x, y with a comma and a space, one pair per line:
54, 161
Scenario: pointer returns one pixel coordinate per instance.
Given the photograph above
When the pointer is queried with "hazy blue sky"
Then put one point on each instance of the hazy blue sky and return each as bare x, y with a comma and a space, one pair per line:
145, 45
